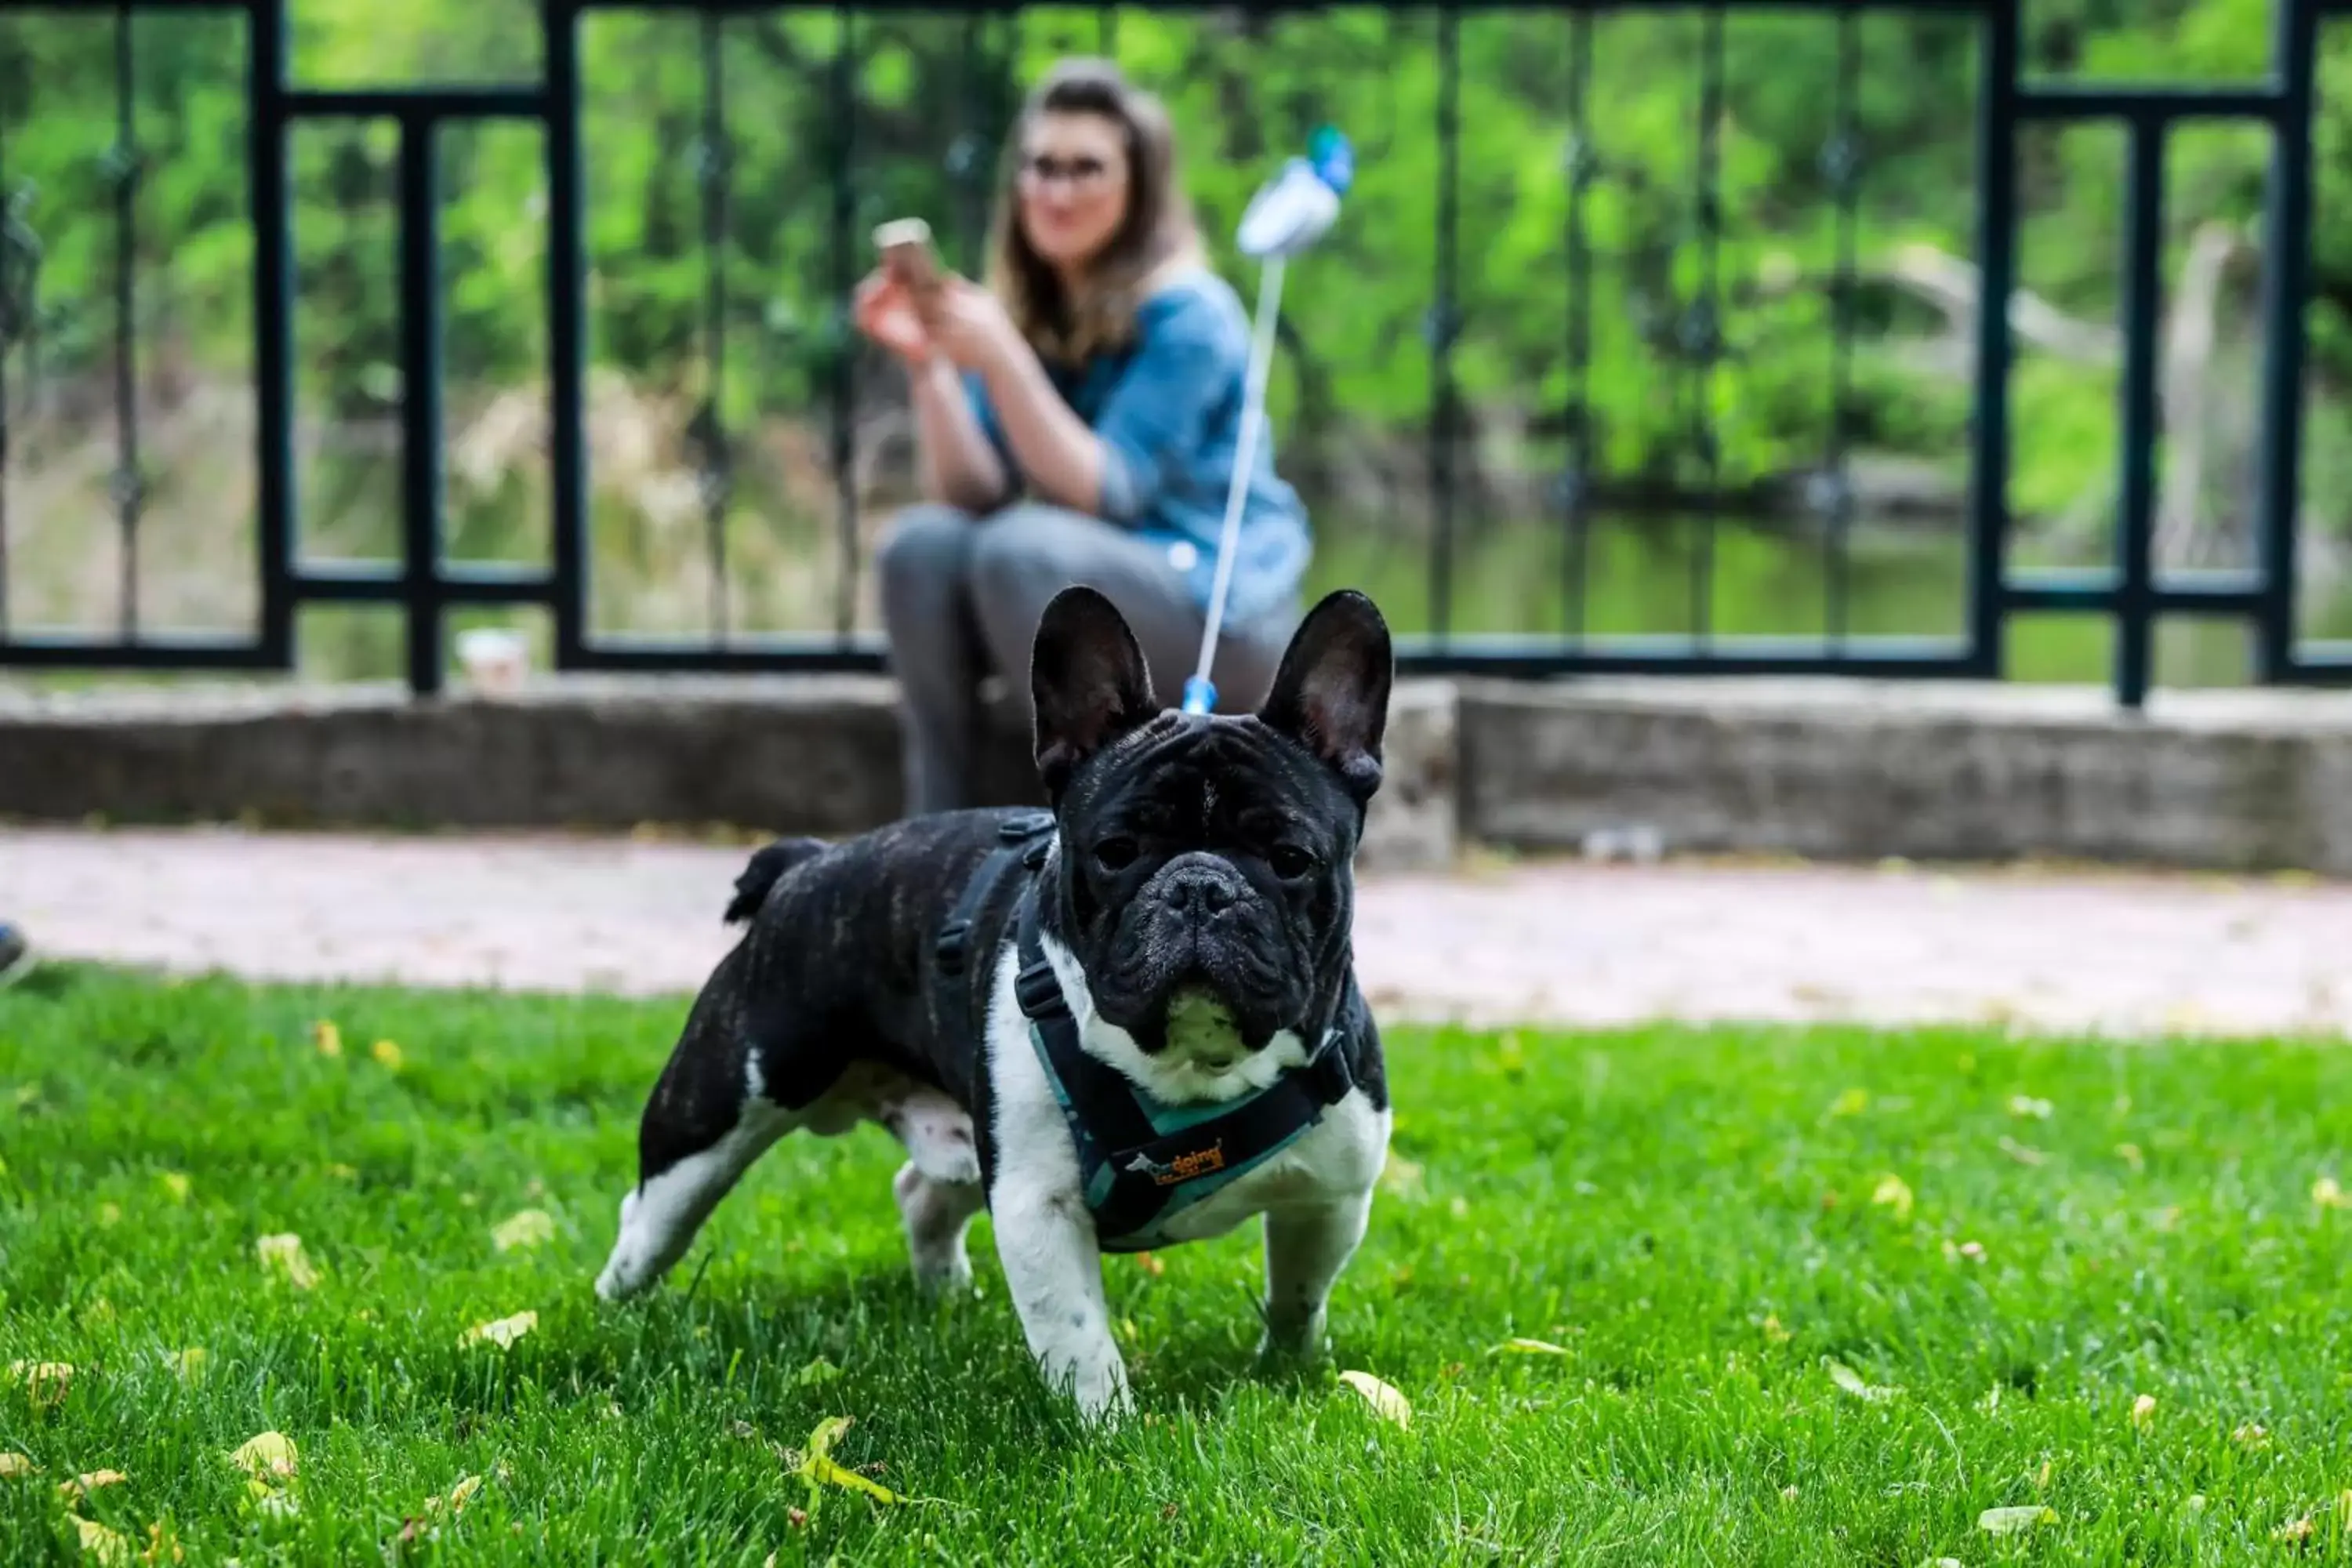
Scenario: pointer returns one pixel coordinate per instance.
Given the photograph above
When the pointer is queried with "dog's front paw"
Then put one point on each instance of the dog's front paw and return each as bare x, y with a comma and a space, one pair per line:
1104, 1398
1297, 1343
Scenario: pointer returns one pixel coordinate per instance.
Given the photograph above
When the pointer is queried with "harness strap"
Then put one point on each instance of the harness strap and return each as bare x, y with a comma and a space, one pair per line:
1134, 1173
1022, 838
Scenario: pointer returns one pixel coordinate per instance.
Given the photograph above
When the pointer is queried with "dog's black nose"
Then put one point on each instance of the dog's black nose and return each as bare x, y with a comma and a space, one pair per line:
1199, 888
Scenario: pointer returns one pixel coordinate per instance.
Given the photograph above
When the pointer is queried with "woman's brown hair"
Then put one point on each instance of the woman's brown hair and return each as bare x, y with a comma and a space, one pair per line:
1157, 228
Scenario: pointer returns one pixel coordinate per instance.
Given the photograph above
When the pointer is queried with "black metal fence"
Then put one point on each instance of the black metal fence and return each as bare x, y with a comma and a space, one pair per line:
1583, 384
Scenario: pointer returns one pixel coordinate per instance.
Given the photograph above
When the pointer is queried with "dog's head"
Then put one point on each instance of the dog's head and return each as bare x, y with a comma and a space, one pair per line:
1206, 883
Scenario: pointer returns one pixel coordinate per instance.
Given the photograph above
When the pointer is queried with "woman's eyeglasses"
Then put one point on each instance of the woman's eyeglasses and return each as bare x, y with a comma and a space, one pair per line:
1081, 173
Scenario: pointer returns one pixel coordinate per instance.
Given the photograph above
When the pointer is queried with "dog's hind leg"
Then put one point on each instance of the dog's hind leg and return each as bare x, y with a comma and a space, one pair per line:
708, 1119
936, 1214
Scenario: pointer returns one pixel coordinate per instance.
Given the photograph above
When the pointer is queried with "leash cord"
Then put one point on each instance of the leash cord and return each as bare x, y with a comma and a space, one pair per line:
1200, 693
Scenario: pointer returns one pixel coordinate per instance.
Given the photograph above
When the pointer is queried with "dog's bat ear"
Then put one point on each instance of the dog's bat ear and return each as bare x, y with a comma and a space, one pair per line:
1087, 681
1331, 693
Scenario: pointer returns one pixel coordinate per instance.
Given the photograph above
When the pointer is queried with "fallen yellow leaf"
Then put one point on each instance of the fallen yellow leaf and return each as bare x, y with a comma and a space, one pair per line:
284, 1254
1383, 1396
13, 1464
2295, 1531
81, 1486
175, 1183
819, 1469
326, 1037
1851, 1382
1773, 1332
44, 1381
529, 1228
463, 1492
108, 1546
2143, 1410
1893, 1193
267, 1454
501, 1332
1518, 1346
2015, 1520
189, 1363
1852, 1102
1151, 1263
387, 1055
161, 1546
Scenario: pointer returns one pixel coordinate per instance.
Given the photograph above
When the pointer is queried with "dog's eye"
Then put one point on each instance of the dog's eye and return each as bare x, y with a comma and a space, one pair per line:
1290, 862
1116, 854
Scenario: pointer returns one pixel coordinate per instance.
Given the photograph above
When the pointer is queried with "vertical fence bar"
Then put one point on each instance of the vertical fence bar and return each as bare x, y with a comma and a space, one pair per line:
1582, 167
712, 170
2135, 484
1703, 329
567, 333
1997, 269
8, 334
273, 323
420, 399
1445, 325
1842, 163
2286, 263
844, 278
968, 165
123, 162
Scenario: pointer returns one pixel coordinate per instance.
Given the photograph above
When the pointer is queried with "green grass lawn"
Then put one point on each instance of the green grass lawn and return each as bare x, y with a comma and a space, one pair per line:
1695, 1226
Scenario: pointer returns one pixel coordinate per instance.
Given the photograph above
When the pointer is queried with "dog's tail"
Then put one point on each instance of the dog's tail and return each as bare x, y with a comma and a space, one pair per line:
767, 869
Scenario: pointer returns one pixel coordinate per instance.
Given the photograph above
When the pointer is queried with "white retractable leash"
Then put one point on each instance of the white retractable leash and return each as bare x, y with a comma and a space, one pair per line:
1288, 214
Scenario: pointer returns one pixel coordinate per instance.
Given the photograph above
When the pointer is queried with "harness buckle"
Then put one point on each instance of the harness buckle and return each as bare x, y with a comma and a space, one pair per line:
947, 950
1021, 829
1038, 991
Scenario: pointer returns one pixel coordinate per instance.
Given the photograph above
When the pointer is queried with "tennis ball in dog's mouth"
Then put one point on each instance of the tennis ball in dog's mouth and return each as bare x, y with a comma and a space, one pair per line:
1199, 1025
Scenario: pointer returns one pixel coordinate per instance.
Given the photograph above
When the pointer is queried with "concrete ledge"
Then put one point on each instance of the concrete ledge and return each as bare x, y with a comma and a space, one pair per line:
1845, 769
1831, 770
816, 754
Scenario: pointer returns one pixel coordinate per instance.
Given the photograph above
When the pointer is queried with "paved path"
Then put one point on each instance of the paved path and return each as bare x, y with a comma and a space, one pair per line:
1564, 943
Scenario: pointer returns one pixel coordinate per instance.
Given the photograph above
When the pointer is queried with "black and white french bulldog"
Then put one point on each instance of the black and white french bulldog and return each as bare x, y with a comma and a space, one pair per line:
1186, 911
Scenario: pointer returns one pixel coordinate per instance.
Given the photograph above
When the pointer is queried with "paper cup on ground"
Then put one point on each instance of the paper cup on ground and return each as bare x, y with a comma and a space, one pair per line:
494, 658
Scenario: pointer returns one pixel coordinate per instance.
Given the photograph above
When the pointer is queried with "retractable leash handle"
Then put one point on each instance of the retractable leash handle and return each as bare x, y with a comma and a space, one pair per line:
1287, 215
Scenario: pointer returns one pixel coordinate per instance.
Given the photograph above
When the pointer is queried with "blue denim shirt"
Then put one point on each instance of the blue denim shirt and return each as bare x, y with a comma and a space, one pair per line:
1168, 409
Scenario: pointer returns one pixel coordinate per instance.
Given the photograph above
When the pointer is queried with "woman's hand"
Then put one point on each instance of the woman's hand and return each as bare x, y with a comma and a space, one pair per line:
885, 312
969, 325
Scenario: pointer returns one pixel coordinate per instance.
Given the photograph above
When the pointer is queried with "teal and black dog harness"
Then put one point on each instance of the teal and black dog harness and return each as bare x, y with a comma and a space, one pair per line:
1142, 1162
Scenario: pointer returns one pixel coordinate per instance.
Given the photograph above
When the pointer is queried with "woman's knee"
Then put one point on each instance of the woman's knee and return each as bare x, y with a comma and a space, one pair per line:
923, 547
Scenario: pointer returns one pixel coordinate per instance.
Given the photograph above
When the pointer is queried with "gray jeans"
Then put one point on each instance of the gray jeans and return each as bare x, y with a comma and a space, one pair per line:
962, 596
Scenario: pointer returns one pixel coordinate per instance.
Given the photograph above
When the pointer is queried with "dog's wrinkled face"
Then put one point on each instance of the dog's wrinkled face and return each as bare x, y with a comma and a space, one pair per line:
1205, 873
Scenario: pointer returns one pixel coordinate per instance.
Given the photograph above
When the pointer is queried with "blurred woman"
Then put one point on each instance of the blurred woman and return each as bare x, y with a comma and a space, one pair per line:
1076, 420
